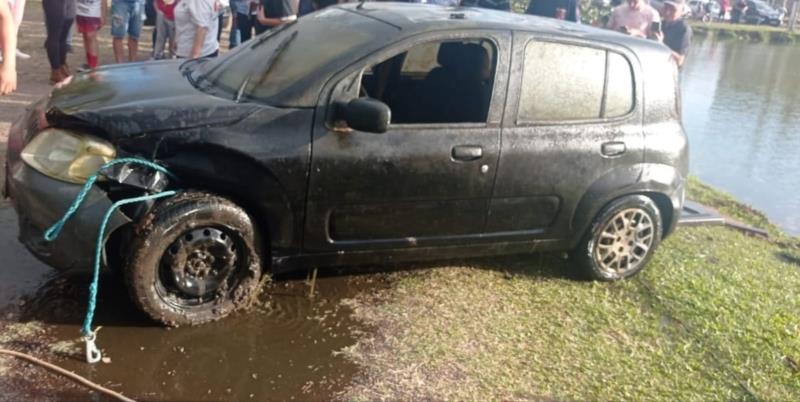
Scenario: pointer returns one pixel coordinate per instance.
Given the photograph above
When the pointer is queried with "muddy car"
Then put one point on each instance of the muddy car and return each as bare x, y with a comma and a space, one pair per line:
366, 133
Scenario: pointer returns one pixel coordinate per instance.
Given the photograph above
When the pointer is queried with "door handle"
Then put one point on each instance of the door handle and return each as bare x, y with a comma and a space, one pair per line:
466, 153
613, 148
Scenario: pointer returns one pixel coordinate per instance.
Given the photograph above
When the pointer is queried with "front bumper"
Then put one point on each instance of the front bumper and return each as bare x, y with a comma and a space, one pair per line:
40, 201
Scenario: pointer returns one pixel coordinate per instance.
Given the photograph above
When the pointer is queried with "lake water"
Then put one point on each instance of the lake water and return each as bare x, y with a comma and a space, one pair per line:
741, 111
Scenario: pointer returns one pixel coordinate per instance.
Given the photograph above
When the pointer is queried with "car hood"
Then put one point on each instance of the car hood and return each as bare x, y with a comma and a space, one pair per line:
137, 98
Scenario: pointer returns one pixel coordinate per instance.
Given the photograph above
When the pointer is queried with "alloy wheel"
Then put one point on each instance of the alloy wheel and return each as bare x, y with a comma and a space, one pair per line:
624, 242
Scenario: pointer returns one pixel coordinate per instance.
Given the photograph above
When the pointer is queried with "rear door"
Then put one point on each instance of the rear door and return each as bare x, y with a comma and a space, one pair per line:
573, 118
428, 179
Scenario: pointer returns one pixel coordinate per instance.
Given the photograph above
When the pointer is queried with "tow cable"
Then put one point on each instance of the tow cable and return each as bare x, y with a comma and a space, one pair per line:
93, 354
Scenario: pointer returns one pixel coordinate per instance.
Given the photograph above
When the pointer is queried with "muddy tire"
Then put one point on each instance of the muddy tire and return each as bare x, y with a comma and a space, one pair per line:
621, 240
194, 258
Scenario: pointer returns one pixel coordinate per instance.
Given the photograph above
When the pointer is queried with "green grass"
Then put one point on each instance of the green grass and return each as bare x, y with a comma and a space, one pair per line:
753, 33
728, 205
715, 316
738, 27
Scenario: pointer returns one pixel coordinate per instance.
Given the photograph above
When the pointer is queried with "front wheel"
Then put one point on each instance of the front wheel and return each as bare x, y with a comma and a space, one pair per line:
195, 258
621, 240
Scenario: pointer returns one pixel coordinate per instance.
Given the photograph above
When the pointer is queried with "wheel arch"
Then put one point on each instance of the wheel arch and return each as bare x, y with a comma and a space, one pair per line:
663, 184
244, 181
247, 183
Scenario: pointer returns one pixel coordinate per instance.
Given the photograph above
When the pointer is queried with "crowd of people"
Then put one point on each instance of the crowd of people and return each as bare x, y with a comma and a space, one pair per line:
192, 28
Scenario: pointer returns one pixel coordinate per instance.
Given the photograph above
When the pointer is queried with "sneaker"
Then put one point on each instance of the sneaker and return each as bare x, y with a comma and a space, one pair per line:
22, 56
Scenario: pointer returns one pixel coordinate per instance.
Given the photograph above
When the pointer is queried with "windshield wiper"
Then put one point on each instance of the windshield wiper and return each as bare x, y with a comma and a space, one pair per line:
190, 77
263, 38
186, 63
267, 66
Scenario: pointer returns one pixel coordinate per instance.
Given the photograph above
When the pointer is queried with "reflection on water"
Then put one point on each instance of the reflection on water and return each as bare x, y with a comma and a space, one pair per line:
741, 112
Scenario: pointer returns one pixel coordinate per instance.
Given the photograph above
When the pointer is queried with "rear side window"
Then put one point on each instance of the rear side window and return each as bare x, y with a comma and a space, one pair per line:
619, 89
563, 82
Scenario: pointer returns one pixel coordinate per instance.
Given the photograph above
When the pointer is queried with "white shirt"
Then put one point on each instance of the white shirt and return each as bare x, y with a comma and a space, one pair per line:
191, 14
639, 19
88, 8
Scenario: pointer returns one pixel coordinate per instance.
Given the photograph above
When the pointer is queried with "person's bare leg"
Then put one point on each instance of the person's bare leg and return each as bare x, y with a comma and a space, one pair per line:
119, 50
92, 48
92, 43
133, 49
17, 11
8, 43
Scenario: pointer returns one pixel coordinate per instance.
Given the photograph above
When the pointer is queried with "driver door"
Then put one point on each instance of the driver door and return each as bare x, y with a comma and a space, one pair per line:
428, 179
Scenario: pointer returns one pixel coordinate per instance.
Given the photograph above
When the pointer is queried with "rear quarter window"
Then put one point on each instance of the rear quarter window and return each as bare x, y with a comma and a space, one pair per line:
566, 82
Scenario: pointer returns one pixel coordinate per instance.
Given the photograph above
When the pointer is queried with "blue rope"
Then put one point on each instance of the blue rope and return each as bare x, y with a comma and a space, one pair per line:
53, 232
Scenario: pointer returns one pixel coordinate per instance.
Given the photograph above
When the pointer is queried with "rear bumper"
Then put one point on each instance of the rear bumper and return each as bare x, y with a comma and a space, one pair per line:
40, 201
677, 199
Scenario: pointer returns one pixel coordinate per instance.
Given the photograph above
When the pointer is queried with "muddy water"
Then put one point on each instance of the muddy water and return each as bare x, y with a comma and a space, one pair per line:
284, 349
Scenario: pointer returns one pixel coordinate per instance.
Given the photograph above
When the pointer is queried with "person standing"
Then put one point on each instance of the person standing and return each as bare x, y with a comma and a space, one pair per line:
634, 18
502, 5
58, 18
196, 28
223, 7
560, 9
126, 18
739, 11
724, 6
274, 13
446, 3
90, 17
320, 4
305, 7
17, 11
8, 43
245, 18
677, 34
165, 28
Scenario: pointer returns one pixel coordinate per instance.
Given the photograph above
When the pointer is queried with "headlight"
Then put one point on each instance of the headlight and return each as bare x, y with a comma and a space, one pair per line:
67, 156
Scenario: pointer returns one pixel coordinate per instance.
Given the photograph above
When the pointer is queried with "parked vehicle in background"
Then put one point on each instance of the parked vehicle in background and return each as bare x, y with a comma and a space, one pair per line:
704, 10
761, 13
411, 132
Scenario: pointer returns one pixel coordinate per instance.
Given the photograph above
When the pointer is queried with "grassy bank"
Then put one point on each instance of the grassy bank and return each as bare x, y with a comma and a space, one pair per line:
752, 33
716, 316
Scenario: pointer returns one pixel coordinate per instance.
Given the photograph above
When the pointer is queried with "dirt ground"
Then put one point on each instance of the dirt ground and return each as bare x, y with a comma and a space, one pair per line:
33, 74
238, 359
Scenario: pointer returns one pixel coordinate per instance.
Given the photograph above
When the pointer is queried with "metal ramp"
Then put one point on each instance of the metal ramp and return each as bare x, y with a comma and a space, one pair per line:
696, 214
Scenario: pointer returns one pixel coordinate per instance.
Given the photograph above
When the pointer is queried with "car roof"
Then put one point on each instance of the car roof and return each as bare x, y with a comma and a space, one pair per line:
411, 18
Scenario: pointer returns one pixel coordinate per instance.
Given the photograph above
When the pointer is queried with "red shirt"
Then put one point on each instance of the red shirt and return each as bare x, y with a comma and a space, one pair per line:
167, 7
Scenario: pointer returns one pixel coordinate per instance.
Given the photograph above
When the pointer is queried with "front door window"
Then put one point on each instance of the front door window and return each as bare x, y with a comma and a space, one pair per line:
435, 82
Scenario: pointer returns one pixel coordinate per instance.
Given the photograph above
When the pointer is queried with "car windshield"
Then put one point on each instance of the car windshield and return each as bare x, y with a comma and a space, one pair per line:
280, 65
762, 6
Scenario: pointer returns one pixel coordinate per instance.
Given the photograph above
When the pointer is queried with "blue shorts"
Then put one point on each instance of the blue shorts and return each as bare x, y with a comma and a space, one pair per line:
126, 17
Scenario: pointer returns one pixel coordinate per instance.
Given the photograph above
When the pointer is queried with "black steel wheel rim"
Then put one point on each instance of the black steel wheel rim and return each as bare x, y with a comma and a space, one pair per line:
200, 266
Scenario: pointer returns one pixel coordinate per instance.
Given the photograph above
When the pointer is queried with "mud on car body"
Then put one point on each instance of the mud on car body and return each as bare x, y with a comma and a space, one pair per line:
412, 132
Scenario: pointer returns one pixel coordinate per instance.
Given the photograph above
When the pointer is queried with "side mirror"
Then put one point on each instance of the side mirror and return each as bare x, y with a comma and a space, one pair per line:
365, 114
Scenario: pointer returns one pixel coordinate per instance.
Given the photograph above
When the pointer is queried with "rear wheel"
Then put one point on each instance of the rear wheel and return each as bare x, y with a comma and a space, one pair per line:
621, 240
195, 258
